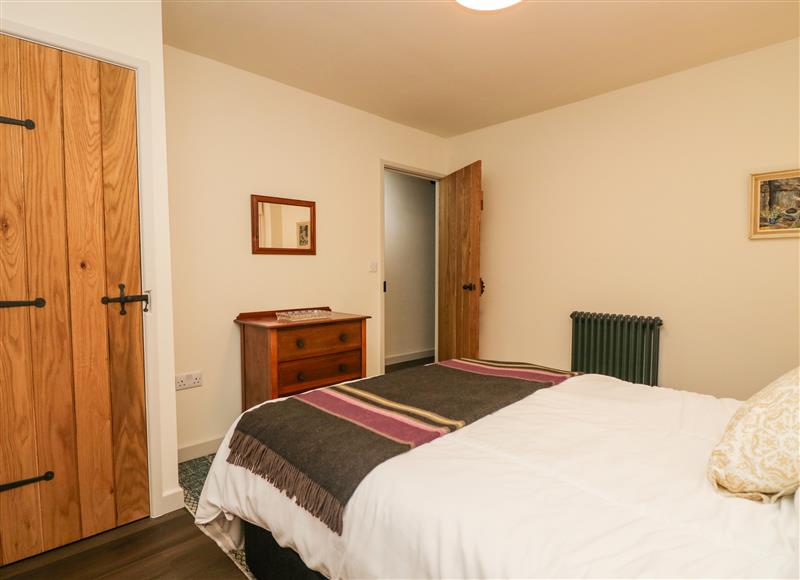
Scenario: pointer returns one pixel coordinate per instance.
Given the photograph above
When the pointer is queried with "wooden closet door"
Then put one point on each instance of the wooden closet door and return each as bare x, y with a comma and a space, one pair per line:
71, 372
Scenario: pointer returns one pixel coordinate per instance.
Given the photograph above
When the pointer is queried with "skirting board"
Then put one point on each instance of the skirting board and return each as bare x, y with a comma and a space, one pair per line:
198, 450
398, 358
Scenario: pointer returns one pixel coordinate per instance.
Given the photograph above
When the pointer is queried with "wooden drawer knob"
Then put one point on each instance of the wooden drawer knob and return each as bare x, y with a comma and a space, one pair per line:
301, 376
343, 337
300, 343
342, 368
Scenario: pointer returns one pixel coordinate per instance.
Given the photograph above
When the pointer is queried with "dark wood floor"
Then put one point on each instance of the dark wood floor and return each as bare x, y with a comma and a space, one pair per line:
170, 547
408, 364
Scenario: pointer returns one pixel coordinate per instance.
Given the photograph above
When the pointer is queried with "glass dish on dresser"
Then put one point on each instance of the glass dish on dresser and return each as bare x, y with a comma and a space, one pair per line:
295, 315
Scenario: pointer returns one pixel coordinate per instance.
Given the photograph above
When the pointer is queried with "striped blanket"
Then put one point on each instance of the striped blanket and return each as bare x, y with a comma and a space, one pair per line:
318, 446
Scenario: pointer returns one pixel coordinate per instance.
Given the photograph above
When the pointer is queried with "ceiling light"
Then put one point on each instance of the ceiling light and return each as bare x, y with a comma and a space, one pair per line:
486, 5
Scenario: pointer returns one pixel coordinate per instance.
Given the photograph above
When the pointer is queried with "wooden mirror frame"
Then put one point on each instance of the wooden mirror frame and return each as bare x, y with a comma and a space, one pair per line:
257, 249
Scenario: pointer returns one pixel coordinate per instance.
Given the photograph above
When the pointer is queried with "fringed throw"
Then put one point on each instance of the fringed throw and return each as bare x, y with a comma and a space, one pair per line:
316, 447
252, 454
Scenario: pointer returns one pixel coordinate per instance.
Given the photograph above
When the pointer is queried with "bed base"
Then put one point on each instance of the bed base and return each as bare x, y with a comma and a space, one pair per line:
268, 560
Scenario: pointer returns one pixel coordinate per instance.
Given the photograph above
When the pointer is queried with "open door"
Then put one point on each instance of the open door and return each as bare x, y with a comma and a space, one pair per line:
460, 205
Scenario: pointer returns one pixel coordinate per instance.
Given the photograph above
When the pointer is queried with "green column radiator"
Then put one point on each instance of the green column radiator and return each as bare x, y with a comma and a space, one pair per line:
617, 345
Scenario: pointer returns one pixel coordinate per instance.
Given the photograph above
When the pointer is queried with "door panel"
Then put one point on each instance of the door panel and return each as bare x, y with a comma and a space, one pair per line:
460, 203
20, 525
51, 343
123, 266
83, 162
71, 372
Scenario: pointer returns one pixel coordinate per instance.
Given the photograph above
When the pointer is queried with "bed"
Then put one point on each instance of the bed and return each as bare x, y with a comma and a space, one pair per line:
593, 477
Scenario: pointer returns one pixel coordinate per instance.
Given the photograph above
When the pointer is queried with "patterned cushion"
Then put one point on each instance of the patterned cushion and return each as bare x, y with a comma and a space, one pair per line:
758, 456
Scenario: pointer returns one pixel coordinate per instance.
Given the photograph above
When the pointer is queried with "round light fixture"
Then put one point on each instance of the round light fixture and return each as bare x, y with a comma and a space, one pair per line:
487, 5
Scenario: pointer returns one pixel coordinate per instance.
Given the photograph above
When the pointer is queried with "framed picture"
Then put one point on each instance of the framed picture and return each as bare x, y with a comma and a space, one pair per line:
303, 237
775, 204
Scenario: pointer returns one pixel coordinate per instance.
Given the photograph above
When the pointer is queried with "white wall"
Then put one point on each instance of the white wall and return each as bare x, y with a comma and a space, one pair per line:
410, 266
129, 33
231, 134
637, 202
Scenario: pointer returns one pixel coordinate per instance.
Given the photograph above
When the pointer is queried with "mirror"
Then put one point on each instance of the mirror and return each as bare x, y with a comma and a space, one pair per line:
282, 226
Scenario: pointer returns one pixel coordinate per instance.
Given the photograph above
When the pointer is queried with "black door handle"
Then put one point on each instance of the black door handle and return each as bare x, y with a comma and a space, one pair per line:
483, 286
124, 299
300, 343
469, 286
301, 376
342, 368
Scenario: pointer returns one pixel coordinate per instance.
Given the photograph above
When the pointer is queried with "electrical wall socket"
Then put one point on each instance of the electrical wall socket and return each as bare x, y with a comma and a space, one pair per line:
195, 379
188, 380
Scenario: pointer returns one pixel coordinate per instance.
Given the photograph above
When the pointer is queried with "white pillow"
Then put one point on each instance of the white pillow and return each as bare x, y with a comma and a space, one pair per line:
758, 457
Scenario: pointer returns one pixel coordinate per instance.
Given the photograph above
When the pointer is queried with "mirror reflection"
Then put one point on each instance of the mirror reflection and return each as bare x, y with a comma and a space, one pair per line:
284, 226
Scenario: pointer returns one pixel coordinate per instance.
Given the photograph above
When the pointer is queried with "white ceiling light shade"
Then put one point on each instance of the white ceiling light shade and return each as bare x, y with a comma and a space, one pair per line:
487, 5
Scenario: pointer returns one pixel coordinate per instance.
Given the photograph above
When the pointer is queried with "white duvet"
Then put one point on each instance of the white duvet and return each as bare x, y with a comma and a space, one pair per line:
595, 477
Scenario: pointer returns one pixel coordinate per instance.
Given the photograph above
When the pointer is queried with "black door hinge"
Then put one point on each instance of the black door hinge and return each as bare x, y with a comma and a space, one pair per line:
27, 123
36, 302
46, 476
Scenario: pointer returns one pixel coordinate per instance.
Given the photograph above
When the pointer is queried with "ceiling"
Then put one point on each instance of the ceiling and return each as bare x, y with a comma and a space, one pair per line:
436, 66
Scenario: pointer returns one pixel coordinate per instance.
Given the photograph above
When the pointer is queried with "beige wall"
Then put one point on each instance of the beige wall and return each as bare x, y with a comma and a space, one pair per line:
129, 33
637, 202
230, 134
410, 266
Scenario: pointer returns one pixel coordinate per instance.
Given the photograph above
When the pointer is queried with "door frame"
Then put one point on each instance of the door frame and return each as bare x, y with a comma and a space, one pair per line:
159, 360
422, 174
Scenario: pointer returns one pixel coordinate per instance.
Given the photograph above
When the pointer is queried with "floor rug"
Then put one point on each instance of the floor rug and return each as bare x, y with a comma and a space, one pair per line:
191, 477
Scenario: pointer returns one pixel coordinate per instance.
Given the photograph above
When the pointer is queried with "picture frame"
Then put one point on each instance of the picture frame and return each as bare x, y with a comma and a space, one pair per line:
262, 242
775, 204
303, 234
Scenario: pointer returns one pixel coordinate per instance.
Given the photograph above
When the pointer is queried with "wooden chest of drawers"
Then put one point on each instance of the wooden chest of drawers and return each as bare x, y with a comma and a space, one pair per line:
283, 358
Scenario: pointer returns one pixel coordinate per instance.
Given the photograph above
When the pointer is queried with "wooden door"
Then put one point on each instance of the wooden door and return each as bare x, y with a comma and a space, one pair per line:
71, 367
460, 205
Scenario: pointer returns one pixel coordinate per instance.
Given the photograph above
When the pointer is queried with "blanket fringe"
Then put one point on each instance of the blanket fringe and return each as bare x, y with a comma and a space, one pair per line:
250, 453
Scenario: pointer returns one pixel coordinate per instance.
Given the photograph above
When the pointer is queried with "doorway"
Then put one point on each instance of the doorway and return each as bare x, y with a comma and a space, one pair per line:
457, 200
410, 249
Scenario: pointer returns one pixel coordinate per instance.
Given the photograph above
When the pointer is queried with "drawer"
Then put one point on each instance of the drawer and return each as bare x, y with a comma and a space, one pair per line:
308, 341
309, 373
